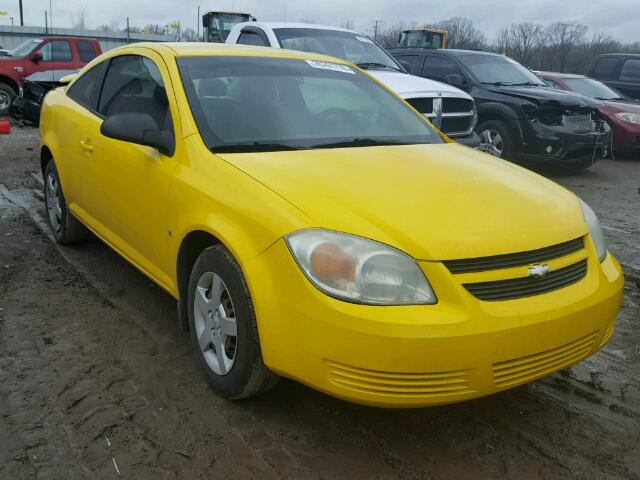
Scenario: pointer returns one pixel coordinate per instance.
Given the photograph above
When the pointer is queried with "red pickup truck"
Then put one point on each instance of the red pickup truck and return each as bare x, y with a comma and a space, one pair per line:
41, 54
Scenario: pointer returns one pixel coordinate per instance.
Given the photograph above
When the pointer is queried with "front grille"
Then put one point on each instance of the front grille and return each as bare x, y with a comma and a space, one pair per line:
457, 105
514, 259
528, 286
422, 105
525, 369
456, 124
430, 384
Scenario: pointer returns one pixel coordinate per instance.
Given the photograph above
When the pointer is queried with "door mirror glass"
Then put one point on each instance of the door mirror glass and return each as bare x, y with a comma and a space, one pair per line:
36, 57
138, 128
457, 81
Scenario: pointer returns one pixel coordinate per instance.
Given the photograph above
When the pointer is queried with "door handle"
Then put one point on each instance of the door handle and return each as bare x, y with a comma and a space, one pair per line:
86, 145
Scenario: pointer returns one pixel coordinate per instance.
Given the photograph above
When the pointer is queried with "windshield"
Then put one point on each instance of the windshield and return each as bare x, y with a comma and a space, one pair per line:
264, 104
499, 70
25, 48
421, 38
591, 88
224, 22
353, 47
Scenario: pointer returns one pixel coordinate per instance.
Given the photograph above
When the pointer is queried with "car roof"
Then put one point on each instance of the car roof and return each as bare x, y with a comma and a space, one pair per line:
313, 26
192, 49
632, 55
560, 75
447, 51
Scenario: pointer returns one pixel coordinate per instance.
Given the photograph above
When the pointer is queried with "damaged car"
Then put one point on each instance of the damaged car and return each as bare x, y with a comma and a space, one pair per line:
26, 106
520, 117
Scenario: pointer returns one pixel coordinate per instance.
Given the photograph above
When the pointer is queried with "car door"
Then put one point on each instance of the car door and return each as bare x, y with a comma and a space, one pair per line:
56, 55
629, 78
411, 62
127, 186
81, 124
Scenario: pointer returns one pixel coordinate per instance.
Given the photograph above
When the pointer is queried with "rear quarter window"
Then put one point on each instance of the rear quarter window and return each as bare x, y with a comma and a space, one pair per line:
86, 89
411, 62
630, 71
86, 51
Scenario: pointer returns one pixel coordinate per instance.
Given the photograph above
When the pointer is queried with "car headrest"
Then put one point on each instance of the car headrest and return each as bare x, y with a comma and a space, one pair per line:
211, 87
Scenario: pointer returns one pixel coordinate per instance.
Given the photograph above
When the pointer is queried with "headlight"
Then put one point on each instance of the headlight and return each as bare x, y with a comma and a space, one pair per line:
629, 117
359, 270
593, 223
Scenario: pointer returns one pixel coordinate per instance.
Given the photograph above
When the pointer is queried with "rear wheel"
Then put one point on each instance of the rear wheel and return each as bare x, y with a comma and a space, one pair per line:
223, 327
495, 139
65, 227
7, 94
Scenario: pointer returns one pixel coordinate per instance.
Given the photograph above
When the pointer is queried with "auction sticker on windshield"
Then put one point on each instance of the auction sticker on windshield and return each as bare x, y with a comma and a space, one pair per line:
330, 66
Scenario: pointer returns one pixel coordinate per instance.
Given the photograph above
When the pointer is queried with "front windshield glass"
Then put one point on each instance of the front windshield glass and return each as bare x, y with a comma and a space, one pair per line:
265, 104
224, 22
591, 88
499, 70
353, 47
25, 48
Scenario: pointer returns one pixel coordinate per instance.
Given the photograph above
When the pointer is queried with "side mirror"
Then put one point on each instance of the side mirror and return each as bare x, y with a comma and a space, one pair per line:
406, 65
36, 57
457, 81
67, 79
138, 128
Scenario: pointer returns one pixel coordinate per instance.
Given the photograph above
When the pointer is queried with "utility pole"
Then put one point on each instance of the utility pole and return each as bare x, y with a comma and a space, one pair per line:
198, 24
46, 24
127, 29
375, 29
21, 16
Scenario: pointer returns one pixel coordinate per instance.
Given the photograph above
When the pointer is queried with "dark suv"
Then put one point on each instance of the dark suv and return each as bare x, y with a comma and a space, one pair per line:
520, 117
618, 70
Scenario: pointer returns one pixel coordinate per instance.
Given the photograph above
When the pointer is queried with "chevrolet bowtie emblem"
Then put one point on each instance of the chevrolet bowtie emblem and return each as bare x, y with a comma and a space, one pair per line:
538, 270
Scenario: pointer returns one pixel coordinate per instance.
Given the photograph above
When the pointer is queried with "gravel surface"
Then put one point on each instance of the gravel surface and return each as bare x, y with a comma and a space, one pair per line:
97, 381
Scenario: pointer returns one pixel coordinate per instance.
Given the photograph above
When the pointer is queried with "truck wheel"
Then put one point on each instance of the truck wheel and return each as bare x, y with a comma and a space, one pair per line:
495, 139
66, 228
7, 94
223, 328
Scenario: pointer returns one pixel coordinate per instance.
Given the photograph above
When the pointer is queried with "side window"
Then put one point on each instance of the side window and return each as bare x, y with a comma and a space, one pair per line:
411, 63
86, 50
630, 71
606, 68
86, 89
56, 51
133, 84
552, 84
438, 68
251, 38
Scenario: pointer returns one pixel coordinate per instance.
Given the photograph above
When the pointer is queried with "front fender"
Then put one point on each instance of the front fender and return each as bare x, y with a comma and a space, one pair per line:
499, 111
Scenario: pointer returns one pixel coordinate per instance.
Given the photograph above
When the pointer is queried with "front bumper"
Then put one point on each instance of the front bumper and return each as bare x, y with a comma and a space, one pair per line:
555, 146
413, 356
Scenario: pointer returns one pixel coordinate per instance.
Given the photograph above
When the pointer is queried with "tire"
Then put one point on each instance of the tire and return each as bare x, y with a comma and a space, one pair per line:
7, 94
219, 305
492, 131
66, 228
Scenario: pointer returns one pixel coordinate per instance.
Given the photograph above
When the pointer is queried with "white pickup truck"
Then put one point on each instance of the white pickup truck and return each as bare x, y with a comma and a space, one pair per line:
448, 108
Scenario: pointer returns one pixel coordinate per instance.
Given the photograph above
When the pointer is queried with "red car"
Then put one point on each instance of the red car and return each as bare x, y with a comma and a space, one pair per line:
622, 113
42, 54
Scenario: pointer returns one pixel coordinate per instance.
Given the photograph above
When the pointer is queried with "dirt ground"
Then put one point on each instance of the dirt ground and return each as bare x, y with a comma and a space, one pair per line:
97, 381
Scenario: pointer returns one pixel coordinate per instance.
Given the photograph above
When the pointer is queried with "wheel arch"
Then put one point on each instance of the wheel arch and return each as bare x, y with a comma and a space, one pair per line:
11, 82
45, 157
495, 111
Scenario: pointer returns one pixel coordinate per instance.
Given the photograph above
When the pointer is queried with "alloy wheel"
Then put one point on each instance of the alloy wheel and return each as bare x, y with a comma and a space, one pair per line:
54, 208
491, 142
5, 100
215, 323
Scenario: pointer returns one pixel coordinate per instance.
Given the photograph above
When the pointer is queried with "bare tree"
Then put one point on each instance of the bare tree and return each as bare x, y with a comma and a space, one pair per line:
561, 39
524, 38
348, 24
79, 18
461, 33
189, 35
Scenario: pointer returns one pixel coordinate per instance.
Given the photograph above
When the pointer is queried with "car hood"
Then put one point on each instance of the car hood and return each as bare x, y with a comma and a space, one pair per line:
625, 105
436, 202
545, 96
408, 86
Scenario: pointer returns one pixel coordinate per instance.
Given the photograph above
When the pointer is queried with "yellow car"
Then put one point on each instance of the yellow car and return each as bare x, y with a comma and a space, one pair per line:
312, 225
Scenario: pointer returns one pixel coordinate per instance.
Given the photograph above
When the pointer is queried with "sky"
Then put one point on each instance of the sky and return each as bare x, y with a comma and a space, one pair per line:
618, 18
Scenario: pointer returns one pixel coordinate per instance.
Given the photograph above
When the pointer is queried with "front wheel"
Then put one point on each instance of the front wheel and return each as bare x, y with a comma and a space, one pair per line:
495, 139
7, 94
66, 228
223, 327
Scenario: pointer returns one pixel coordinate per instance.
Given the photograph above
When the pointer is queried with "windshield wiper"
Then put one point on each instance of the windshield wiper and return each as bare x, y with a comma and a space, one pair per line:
253, 147
498, 84
368, 65
536, 84
361, 142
